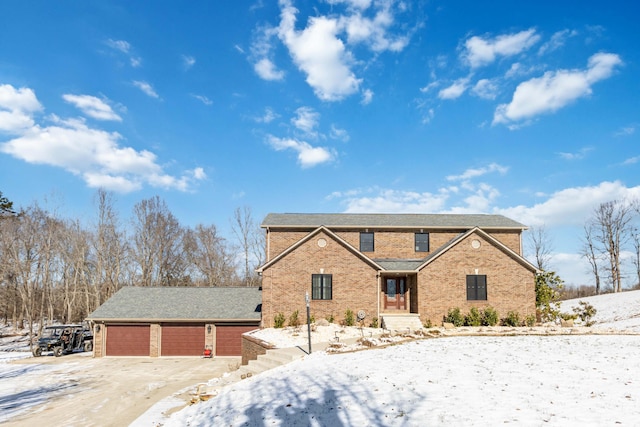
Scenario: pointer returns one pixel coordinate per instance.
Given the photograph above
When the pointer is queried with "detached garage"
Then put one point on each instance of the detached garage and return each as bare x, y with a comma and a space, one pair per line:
146, 321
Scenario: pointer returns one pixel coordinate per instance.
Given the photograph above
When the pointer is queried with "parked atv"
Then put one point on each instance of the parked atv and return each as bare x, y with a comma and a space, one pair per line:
64, 339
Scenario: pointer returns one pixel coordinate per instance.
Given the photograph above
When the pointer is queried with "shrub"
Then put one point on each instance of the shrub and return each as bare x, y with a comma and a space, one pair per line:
374, 322
330, 318
349, 318
489, 317
428, 324
585, 312
294, 319
512, 319
312, 319
454, 316
568, 316
548, 291
278, 320
474, 318
530, 320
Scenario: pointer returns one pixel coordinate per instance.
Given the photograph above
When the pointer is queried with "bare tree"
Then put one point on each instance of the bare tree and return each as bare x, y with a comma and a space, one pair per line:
541, 247
635, 238
25, 255
157, 247
611, 220
590, 252
247, 232
208, 254
110, 250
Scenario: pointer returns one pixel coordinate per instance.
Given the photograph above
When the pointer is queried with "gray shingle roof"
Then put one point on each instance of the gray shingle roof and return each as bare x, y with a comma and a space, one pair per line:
455, 221
180, 303
399, 264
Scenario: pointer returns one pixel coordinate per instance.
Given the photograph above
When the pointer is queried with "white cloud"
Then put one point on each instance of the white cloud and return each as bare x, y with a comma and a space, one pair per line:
267, 70
627, 130
571, 206
555, 90
306, 120
337, 133
367, 97
581, 154
146, 88
476, 172
92, 107
188, 61
124, 47
308, 156
199, 174
485, 89
480, 51
374, 31
428, 116
319, 53
455, 90
322, 49
268, 116
355, 4
93, 154
17, 107
203, 99
392, 201
556, 41
121, 45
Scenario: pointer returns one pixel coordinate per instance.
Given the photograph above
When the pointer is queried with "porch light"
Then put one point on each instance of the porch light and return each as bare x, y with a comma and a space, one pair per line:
208, 329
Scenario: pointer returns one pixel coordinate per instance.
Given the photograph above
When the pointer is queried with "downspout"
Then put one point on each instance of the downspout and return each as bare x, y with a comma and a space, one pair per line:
378, 292
268, 244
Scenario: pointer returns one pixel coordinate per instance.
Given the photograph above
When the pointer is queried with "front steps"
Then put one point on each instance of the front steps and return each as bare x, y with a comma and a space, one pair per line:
405, 322
272, 359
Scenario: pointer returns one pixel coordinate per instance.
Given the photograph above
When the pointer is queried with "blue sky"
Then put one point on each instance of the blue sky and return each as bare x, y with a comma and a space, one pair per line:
527, 109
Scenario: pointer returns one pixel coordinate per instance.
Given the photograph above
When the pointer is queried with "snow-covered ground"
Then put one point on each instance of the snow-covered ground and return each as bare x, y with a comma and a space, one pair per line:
556, 380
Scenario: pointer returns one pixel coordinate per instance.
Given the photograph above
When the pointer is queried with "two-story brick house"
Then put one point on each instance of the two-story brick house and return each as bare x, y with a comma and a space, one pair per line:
415, 265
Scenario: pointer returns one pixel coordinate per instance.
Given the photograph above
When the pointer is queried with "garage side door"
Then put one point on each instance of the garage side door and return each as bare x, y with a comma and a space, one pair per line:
229, 340
128, 340
182, 340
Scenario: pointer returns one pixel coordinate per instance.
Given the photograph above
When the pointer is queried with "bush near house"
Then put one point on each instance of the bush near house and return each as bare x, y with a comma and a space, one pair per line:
512, 319
294, 319
349, 318
278, 320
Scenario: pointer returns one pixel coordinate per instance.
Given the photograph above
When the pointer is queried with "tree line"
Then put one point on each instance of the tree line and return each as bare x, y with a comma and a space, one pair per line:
610, 245
61, 269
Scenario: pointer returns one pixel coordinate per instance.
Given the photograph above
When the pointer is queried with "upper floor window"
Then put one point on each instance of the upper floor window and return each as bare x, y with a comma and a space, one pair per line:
476, 287
366, 242
321, 286
422, 242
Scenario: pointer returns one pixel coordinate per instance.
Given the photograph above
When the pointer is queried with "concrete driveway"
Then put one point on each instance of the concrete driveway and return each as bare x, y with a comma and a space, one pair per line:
78, 390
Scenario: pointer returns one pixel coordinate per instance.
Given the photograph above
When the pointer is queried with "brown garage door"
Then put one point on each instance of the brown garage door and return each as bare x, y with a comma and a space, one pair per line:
128, 340
182, 340
229, 340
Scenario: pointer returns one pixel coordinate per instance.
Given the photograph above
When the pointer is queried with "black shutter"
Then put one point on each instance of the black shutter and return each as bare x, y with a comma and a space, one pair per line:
471, 287
481, 286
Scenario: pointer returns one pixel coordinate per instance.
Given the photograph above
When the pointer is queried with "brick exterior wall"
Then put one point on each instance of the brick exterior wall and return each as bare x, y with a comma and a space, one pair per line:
439, 286
388, 244
442, 284
252, 348
284, 284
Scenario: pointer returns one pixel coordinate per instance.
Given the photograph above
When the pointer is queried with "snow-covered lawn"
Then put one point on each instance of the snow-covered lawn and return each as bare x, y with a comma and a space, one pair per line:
479, 381
556, 380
